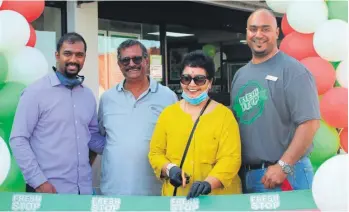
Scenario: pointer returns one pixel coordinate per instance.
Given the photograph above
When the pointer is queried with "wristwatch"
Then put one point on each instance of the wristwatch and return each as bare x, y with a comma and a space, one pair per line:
286, 168
168, 167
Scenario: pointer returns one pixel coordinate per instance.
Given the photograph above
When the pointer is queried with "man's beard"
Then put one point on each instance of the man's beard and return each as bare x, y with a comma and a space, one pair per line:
254, 46
71, 75
260, 53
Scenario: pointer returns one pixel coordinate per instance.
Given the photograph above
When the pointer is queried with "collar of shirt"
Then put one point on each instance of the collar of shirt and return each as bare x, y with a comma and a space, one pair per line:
54, 79
153, 85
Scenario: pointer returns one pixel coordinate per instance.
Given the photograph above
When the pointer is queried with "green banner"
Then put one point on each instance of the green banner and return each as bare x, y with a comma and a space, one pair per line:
284, 201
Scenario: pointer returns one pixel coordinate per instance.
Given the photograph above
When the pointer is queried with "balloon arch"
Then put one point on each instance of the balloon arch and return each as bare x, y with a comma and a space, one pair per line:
20, 65
316, 34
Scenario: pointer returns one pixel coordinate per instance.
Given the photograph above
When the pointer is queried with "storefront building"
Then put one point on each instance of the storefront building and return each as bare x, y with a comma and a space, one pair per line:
167, 29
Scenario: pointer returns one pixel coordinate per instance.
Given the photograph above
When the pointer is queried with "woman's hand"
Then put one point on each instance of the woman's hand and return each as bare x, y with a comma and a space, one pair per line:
198, 188
175, 175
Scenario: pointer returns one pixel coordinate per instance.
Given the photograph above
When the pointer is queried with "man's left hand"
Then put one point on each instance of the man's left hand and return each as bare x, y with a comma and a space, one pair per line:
274, 176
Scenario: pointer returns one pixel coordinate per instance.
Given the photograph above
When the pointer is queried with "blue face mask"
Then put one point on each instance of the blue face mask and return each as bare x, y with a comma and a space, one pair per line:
196, 100
68, 81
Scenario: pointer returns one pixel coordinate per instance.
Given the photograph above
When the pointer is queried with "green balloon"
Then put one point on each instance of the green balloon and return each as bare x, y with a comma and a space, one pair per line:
2, 133
335, 64
3, 68
326, 144
336, 84
315, 168
14, 181
5, 130
9, 96
210, 50
337, 9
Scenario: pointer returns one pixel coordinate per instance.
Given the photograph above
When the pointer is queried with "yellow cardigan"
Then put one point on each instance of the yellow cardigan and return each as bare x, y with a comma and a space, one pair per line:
215, 149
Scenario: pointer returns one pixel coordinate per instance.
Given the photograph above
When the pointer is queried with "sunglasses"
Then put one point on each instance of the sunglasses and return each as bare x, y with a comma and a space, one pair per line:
136, 60
198, 79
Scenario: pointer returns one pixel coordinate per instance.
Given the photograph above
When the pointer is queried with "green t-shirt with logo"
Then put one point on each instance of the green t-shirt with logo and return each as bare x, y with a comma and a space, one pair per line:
269, 101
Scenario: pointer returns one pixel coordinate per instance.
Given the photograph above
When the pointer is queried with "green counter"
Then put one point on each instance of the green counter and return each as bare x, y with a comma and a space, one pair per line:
284, 201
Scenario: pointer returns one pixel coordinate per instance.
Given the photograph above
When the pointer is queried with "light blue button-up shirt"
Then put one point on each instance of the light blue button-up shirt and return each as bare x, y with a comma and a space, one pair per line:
54, 128
128, 125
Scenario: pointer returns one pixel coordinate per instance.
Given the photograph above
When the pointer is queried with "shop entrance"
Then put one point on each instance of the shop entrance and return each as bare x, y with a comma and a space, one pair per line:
171, 29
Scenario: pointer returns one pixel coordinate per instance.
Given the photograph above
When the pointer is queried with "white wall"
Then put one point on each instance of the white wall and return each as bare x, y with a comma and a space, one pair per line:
46, 43
83, 19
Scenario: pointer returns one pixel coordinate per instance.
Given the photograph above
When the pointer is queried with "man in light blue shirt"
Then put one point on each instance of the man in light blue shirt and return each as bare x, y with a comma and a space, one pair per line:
127, 116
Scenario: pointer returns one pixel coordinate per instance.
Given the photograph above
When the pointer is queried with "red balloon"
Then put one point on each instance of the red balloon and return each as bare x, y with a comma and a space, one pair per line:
334, 107
32, 38
343, 136
298, 45
323, 72
31, 10
285, 26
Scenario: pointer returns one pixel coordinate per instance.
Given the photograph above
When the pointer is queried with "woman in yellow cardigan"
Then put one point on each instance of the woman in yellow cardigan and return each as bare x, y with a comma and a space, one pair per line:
213, 158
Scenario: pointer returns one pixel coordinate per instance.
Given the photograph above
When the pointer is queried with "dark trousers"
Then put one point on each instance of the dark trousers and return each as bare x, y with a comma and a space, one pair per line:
28, 188
242, 175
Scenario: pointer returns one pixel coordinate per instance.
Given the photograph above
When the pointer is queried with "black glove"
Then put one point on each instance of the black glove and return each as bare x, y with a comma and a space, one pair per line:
176, 176
198, 188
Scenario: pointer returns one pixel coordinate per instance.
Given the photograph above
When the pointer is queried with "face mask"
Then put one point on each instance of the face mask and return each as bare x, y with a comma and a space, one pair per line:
196, 100
68, 81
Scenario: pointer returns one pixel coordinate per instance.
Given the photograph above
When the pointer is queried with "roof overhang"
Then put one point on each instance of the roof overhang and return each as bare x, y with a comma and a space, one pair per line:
248, 6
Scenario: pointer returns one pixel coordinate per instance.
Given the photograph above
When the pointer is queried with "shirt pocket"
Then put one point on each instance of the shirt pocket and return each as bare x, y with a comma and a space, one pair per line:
153, 114
114, 120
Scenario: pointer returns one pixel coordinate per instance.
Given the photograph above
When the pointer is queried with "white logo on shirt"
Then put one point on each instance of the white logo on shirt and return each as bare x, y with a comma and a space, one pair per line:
249, 100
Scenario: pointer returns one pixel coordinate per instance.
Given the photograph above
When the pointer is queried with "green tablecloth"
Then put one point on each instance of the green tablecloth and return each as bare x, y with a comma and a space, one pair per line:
296, 200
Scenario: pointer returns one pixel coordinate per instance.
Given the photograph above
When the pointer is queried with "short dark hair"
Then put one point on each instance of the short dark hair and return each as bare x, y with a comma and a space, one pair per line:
199, 59
131, 42
70, 37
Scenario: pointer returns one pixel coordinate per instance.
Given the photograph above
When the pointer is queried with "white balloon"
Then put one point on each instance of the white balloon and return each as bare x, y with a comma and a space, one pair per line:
342, 73
27, 66
330, 184
0, 3
279, 6
14, 30
306, 17
331, 40
5, 161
